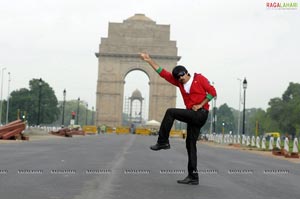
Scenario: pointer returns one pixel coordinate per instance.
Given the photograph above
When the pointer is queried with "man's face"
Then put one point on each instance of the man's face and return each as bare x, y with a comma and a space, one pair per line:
182, 77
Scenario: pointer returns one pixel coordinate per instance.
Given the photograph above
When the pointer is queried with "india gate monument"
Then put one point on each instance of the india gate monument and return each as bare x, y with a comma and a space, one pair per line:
119, 55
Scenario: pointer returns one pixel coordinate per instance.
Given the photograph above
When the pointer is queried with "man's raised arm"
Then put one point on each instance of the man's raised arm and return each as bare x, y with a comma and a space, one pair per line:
146, 57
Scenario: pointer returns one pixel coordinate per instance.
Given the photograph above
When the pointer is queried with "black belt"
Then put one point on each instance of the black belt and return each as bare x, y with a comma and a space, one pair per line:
203, 110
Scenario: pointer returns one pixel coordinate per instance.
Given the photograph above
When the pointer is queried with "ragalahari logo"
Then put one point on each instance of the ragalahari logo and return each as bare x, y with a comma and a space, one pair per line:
282, 5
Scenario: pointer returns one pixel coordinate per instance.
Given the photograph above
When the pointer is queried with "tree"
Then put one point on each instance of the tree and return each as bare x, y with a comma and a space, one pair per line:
27, 101
71, 106
285, 110
225, 119
20, 100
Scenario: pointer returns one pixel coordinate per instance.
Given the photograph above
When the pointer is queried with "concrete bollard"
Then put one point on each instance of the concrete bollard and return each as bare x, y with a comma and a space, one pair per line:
234, 139
230, 139
263, 143
295, 146
222, 139
248, 141
225, 139
278, 143
253, 141
258, 142
271, 143
286, 145
243, 139
295, 153
278, 150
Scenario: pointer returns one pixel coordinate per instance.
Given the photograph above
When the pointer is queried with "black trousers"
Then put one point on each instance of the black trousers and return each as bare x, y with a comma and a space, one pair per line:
195, 120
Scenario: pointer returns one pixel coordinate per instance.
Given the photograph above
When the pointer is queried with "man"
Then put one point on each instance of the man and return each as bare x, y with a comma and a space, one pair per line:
196, 92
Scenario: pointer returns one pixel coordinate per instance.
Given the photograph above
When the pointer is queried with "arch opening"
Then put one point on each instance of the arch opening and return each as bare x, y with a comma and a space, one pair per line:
136, 98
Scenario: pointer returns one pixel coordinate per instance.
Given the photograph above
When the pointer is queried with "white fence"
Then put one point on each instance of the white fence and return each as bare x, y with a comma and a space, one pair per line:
253, 141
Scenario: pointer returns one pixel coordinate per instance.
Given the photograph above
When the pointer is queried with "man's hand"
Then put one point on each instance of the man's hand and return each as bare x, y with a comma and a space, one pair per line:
196, 107
145, 57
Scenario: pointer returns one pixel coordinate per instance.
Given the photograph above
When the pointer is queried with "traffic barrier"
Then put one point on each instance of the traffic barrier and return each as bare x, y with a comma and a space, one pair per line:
110, 130
142, 131
89, 129
177, 133
122, 130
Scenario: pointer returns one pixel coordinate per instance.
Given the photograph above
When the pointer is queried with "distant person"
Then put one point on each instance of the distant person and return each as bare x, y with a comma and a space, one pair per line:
103, 128
196, 92
98, 129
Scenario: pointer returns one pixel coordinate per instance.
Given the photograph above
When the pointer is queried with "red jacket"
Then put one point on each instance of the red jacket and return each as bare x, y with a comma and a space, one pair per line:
200, 89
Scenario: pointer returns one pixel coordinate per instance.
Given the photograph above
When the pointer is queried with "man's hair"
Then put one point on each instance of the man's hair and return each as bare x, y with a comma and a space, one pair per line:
178, 69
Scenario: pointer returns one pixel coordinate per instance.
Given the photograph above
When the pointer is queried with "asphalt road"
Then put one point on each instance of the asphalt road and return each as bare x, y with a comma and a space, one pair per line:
123, 166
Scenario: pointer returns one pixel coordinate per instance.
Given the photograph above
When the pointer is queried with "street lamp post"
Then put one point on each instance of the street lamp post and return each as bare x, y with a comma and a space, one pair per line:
8, 96
92, 115
77, 118
211, 116
63, 111
86, 114
39, 105
1, 95
214, 114
240, 101
244, 109
223, 128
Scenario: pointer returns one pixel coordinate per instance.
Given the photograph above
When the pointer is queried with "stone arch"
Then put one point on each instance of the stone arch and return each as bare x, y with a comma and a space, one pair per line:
131, 93
118, 55
131, 69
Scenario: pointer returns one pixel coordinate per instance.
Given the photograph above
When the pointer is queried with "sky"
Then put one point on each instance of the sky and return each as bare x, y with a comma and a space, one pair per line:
226, 41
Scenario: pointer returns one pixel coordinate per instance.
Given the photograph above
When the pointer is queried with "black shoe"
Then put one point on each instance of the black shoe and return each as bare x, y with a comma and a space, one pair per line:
189, 180
159, 146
